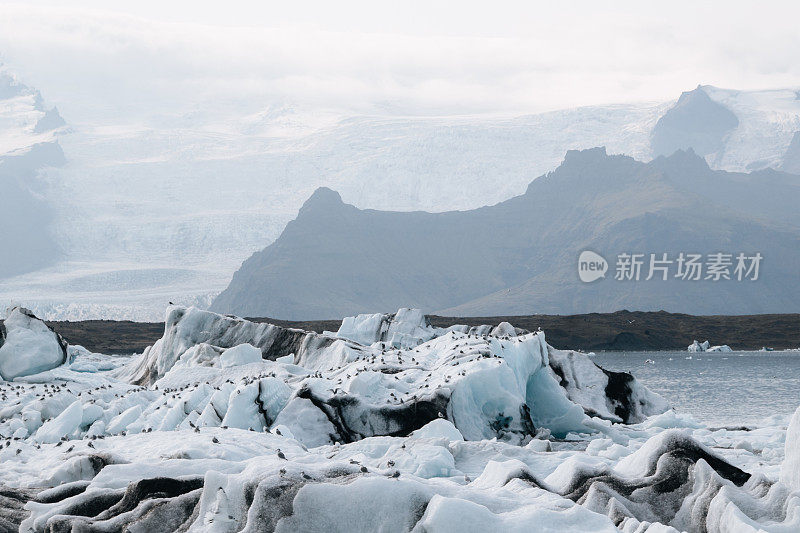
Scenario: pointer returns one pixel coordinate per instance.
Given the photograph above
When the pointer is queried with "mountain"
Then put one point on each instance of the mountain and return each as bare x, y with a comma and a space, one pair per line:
152, 209
696, 122
520, 256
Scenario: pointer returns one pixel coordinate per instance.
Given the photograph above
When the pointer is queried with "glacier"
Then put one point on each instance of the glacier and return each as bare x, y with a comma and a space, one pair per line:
229, 425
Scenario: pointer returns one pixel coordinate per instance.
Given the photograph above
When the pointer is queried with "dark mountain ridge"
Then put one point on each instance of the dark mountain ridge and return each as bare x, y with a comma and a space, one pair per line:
520, 256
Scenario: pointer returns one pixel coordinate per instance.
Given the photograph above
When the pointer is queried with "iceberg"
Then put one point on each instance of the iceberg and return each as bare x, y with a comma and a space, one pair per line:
705, 346
185, 328
390, 375
28, 346
698, 347
211, 370
721, 348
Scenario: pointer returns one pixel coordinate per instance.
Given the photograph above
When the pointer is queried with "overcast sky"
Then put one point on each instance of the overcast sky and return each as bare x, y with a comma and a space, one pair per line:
97, 58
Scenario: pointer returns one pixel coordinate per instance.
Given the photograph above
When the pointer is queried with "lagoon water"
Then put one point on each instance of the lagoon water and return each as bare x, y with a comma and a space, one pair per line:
736, 388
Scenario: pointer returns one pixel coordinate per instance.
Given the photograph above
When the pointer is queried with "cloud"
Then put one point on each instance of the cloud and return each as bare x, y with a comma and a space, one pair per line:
432, 57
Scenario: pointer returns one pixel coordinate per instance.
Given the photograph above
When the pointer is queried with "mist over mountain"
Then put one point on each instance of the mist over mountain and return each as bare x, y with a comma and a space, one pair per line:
520, 256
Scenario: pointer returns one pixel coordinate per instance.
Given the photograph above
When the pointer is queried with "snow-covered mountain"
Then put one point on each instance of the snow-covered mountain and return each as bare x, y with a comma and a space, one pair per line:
166, 209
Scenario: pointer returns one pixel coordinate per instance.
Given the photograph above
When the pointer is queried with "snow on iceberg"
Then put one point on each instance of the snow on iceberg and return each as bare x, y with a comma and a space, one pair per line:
28, 346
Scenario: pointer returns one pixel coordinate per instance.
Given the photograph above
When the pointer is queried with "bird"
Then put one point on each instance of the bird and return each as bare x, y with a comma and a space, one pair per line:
281, 454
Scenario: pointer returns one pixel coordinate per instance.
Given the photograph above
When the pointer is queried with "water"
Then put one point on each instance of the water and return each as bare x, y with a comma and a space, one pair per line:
718, 388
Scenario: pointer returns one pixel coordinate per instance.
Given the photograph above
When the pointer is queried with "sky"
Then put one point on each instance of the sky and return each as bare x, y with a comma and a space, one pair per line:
105, 60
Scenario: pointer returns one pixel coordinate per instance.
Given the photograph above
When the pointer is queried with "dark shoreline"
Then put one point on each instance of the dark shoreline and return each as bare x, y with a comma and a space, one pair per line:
622, 330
